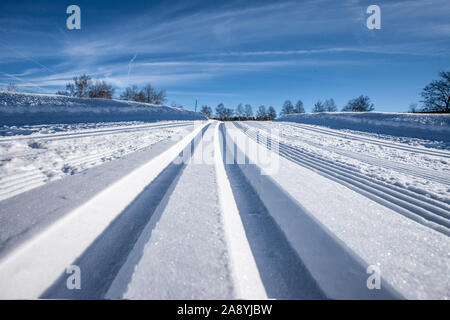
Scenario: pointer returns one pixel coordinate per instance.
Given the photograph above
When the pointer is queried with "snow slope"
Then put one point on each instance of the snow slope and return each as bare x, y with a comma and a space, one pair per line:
423, 126
30, 109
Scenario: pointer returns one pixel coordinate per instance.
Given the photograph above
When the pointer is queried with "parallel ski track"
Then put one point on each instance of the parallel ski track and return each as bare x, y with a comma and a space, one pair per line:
445, 154
439, 177
426, 211
92, 132
24, 181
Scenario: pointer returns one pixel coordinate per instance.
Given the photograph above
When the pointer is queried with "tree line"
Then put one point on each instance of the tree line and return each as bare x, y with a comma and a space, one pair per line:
359, 104
84, 87
436, 99
241, 113
245, 112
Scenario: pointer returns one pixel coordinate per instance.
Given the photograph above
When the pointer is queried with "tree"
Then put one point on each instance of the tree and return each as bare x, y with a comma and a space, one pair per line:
130, 93
160, 97
360, 104
287, 108
151, 95
12, 87
299, 107
240, 112
101, 89
330, 105
206, 111
271, 113
80, 86
220, 111
436, 95
261, 114
248, 111
228, 113
318, 107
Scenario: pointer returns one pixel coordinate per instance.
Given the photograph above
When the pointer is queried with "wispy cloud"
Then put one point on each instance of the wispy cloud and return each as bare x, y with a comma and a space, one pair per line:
187, 43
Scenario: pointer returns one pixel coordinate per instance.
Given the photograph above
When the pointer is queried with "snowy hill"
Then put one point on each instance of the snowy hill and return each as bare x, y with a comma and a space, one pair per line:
23, 108
425, 126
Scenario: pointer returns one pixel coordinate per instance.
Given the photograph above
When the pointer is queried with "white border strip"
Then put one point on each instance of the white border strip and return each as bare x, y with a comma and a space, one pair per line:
244, 272
29, 270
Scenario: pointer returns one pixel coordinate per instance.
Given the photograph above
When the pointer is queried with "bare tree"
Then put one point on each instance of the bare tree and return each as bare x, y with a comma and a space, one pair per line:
228, 113
151, 95
240, 112
130, 93
248, 111
299, 107
101, 89
287, 108
206, 111
220, 111
271, 113
330, 105
360, 104
318, 107
80, 86
261, 114
436, 95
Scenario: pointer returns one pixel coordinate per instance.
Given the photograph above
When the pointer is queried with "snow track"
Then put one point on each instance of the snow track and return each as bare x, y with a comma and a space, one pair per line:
413, 206
281, 270
30, 178
185, 223
91, 133
445, 154
412, 170
42, 259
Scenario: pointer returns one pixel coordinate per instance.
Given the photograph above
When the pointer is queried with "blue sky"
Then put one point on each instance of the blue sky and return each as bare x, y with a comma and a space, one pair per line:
257, 52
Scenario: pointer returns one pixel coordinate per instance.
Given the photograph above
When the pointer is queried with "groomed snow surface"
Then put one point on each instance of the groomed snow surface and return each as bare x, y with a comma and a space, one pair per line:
156, 210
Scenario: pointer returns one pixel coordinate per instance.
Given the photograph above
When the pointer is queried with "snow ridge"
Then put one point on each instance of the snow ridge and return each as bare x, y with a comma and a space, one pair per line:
23, 108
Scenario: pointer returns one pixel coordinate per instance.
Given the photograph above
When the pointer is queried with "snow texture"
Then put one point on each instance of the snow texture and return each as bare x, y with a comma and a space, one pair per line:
31, 109
29, 161
413, 258
424, 126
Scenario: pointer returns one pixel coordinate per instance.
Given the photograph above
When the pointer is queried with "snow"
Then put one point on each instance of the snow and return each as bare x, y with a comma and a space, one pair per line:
17, 109
29, 161
418, 169
186, 238
38, 262
358, 190
351, 231
243, 266
423, 126
26, 215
